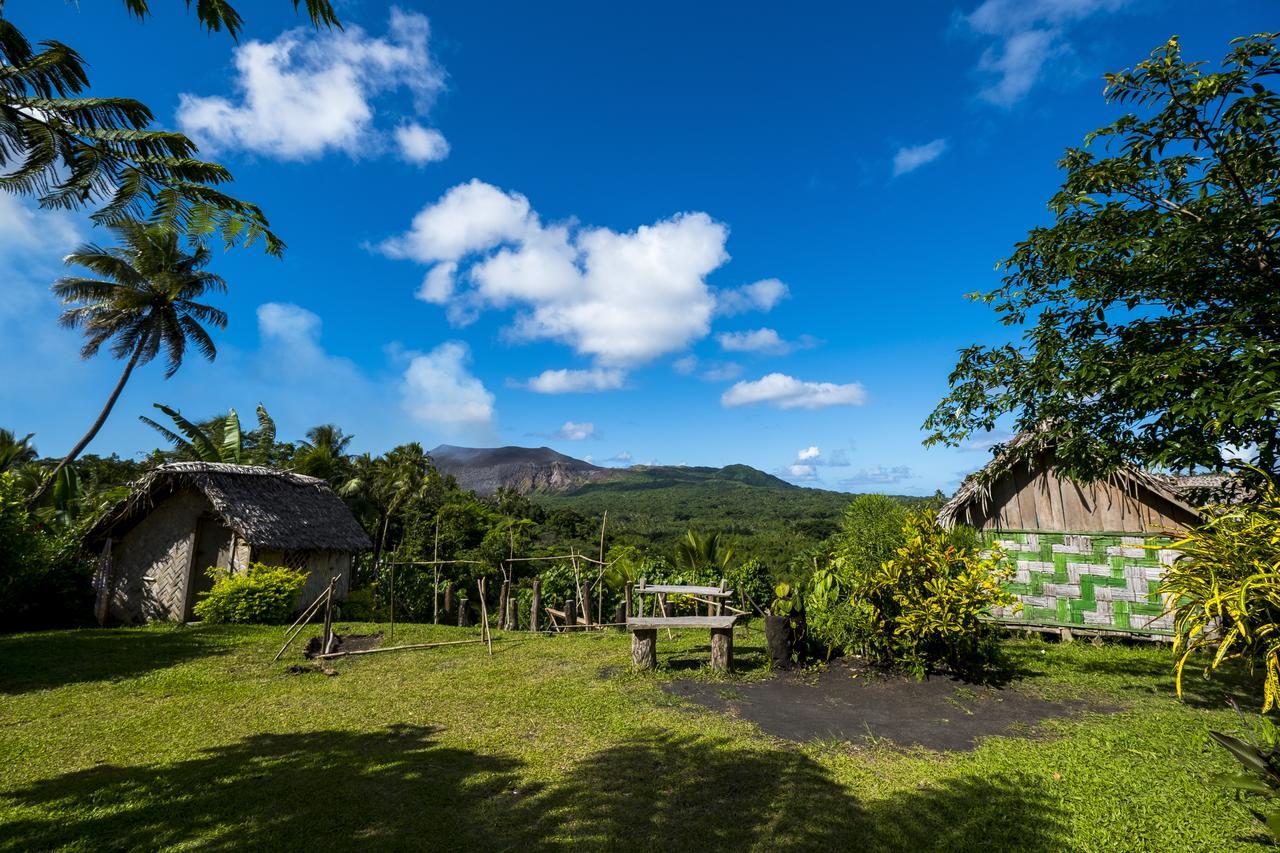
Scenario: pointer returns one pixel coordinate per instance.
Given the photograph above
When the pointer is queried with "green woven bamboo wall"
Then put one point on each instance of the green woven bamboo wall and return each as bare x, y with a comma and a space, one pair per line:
1087, 580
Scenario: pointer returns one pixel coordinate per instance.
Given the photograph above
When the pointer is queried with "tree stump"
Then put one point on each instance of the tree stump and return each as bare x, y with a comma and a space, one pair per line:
534, 617
721, 649
511, 613
464, 613
570, 614
644, 648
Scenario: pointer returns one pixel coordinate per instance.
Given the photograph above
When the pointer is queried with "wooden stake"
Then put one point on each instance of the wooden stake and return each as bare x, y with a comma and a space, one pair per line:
534, 617
513, 619
484, 617
435, 584
448, 599
296, 628
400, 648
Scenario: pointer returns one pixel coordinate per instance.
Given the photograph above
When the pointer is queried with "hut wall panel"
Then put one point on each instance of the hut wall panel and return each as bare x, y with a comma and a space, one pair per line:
1047, 502
152, 562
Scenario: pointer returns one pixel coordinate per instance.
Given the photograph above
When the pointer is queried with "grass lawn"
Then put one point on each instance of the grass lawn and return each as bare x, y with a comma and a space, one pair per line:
190, 737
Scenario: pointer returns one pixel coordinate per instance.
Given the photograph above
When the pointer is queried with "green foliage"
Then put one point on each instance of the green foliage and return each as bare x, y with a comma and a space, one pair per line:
1259, 756
1149, 304
218, 440
703, 551
43, 581
1225, 587
924, 607
15, 452
752, 583
69, 151
260, 595
871, 531
217, 15
787, 600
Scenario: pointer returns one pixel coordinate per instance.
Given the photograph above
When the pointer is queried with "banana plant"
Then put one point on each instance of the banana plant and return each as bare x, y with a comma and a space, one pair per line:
218, 441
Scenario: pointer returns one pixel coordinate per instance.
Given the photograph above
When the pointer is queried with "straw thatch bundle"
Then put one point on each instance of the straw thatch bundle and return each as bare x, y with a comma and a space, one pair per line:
265, 507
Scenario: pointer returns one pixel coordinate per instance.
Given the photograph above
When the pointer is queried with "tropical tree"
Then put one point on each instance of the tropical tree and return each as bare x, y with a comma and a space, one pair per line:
69, 151
1152, 328
702, 551
143, 304
15, 452
383, 485
218, 440
324, 453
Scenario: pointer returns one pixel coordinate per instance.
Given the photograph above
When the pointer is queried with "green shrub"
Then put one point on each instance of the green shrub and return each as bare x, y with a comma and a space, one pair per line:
926, 606
872, 530
45, 582
261, 595
752, 584
1227, 587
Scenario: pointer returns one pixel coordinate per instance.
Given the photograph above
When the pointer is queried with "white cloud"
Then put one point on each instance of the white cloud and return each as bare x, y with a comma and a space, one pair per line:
880, 475
622, 456
722, 371
575, 432
438, 284
570, 381
307, 93
786, 392
438, 389
809, 453
620, 298
420, 144
762, 295
685, 366
800, 472
1025, 35
910, 158
756, 340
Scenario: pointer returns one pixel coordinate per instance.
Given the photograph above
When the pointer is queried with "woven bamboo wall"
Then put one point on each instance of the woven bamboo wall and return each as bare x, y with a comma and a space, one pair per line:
1105, 581
151, 564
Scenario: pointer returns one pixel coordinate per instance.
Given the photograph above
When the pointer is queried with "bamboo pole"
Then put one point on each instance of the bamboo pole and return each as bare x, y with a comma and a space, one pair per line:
435, 582
399, 648
296, 628
484, 616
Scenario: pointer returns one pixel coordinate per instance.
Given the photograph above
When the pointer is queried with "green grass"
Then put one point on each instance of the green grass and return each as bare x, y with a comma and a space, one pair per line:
191, 737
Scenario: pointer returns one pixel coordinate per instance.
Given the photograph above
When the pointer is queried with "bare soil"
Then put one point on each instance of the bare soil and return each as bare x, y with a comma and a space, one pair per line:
848, 701
345, 643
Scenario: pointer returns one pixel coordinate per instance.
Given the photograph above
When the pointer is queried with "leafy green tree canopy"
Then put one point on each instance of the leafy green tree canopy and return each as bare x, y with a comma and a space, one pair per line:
69, 150
1152, 323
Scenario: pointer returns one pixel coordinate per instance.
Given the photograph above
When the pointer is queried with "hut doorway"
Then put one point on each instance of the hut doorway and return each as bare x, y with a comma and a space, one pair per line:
212, 545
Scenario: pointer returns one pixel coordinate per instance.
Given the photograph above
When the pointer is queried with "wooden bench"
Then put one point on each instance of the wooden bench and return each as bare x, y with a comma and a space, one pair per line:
644, 638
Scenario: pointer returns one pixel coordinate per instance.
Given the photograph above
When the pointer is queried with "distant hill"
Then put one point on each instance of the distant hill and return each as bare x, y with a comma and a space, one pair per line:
541, 470
528, 470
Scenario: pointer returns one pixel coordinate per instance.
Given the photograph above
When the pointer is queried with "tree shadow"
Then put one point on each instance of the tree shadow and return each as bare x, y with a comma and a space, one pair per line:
394, 788
659, 790
1230, 682
56, 658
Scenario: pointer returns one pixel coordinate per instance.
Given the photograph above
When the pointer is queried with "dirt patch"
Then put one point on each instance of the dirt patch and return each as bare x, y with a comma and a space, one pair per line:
848, 702
347, 643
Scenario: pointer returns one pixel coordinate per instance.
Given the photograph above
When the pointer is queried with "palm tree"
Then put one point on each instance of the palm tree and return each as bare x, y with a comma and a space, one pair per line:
382, 486
219, 439
324, 453
697, 551
143, 304
15, 452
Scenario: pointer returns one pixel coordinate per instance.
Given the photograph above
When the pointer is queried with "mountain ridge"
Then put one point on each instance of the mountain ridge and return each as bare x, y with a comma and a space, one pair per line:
541, 470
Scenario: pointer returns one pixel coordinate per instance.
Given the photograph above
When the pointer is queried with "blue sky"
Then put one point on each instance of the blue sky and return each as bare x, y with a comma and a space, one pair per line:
683, 233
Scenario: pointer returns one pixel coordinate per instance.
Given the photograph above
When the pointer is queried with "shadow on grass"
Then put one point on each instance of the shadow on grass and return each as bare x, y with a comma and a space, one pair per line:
398, 788
56, 658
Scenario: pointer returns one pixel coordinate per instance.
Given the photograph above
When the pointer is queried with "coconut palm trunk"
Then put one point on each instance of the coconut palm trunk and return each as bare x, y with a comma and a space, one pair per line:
93, 430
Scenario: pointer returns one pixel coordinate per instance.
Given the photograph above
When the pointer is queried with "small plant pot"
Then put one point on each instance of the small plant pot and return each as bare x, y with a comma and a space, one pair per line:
778, 635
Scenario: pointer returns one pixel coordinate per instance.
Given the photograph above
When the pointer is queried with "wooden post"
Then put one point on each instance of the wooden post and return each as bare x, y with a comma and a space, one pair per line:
620, 616
644, 648
570, 614
586, 606
435, 583
534, 615
503, 594
626, 601
326, 636
464, 615
448, 600
724, 584
512, 618
721, 649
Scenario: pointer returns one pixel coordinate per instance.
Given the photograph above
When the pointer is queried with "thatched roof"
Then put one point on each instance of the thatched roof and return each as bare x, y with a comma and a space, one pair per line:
267, 508
975, 491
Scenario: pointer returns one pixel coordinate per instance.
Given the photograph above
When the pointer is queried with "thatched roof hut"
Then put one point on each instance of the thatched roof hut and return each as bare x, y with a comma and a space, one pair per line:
184, 517
1086, 555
